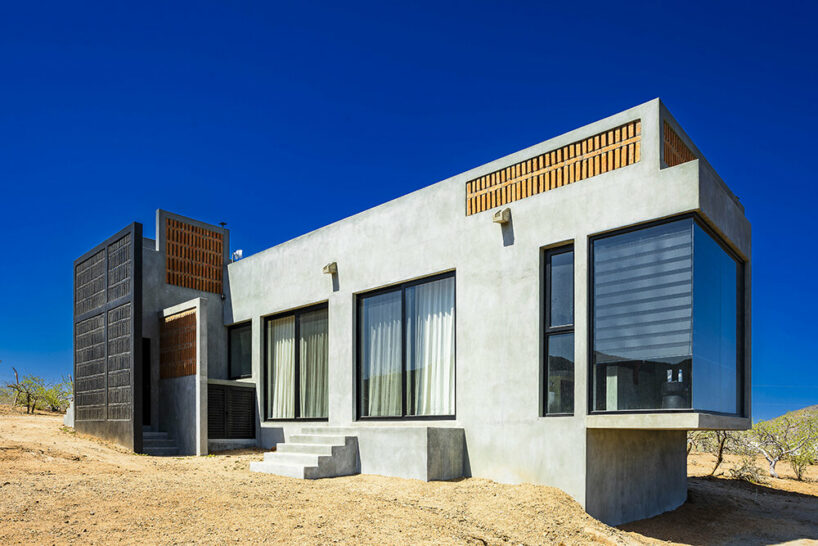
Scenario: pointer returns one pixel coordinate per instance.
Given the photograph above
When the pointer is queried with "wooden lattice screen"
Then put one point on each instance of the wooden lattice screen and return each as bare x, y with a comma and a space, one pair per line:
675, 150
194, 256
589, 157
177, 345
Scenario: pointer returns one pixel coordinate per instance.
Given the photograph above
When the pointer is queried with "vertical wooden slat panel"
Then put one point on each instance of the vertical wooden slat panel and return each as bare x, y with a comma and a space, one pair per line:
612, 149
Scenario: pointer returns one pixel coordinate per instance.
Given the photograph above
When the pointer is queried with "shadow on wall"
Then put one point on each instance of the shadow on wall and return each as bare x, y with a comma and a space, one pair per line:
508, 232
721, 511
269, 437
466, 461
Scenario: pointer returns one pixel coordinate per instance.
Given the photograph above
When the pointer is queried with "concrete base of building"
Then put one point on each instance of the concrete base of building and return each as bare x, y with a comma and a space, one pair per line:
231, 443
634, 474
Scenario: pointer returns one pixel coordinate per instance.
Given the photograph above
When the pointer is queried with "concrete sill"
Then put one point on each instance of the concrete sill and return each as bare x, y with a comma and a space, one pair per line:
667, 421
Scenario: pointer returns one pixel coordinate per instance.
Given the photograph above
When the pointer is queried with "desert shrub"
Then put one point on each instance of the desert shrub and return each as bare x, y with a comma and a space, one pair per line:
748, 471
717, 442
783, 438
694, 440
33, 392
802, 459
57, 396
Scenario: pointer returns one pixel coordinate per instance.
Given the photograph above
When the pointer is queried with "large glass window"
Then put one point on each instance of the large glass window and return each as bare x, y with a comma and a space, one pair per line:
559, 331
239, 360
715, 326
406, 350
665, 328
296, 365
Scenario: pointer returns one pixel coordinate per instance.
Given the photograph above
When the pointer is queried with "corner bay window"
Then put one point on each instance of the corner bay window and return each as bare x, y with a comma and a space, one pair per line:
406, 350
559, 331
666, 321
239, 362
296, 365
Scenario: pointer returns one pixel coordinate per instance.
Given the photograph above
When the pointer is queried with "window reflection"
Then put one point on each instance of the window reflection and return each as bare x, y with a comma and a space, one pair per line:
665, 311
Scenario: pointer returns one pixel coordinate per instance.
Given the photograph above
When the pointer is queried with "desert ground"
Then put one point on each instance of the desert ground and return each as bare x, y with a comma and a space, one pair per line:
57, 486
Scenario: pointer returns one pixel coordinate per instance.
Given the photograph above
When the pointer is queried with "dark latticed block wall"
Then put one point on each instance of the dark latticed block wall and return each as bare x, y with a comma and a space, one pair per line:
108, 339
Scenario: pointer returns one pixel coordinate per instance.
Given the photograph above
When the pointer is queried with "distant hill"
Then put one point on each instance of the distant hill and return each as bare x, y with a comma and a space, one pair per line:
803, 411
797, 414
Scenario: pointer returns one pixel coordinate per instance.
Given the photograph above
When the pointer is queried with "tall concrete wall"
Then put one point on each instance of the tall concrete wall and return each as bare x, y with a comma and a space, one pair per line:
498, 301
157, 297
177, 410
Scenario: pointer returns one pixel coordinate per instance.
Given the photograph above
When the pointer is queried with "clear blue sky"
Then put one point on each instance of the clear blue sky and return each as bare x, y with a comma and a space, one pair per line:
279, 118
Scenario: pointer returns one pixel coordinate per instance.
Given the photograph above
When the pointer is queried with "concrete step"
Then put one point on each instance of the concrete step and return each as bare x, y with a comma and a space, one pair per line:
337, 431
305, 459
152, 442
326, 439
281, 469
311, 456
160, 451
315, 449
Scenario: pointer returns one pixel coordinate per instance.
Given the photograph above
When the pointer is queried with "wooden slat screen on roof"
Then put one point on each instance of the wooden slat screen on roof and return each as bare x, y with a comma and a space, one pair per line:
675, 150
177, 345
194, 256
571, 163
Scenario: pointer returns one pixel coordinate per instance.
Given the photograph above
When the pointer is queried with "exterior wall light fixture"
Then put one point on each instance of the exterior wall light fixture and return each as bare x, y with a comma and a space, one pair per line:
502, 217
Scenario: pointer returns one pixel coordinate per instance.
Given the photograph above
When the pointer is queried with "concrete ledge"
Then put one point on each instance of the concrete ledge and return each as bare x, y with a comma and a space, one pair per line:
246, 383
667, 421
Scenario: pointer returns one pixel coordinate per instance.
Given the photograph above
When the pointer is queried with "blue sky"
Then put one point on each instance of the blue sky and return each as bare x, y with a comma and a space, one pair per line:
279, 118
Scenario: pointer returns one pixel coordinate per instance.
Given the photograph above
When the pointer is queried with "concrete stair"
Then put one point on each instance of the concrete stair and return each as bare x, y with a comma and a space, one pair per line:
158, 444
317, 452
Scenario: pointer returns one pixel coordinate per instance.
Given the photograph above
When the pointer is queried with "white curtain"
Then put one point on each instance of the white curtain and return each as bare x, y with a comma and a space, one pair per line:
430, 347
313, 372
281, 375
381, 354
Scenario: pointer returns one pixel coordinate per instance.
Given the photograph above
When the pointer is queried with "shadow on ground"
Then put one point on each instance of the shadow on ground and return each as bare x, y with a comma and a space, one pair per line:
724, 511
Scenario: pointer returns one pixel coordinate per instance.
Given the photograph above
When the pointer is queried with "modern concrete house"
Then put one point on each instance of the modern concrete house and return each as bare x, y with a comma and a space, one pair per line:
560, 316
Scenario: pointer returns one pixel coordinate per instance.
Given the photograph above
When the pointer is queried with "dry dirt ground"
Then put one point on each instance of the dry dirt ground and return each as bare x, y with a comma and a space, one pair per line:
725, 511
57, 486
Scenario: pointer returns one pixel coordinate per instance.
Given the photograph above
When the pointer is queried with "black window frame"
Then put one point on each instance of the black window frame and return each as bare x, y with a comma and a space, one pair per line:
548, 331
295, 313
741, 363
230, 329
401, 287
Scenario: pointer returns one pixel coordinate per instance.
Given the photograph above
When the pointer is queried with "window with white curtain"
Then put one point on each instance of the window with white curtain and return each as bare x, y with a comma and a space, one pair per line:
406, 350
296, 365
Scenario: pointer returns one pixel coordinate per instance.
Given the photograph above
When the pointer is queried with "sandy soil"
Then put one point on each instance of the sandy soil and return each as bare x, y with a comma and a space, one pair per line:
725, 511
57, 487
